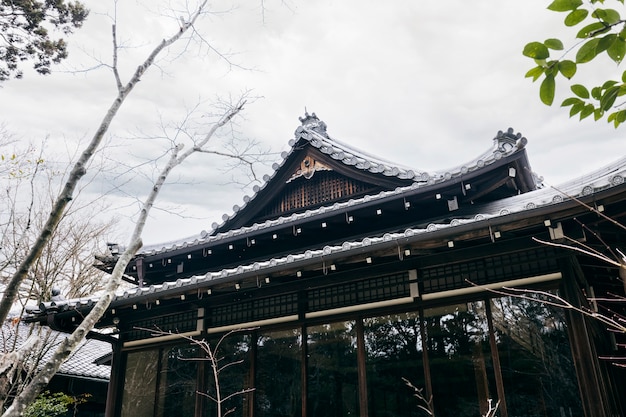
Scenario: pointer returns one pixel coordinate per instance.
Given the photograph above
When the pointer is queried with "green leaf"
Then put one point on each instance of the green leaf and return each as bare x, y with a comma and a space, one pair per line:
576, 17
564, 5
553, 43
606, 42
597, 114
586, 111
609, 16
570, 101
617, 118
567, 68
536, 50
596, 92
593, 29
608, 98
580, 90
576, 108
608, 84
617, 50
624, 76
535, 73
587, 52
546, 90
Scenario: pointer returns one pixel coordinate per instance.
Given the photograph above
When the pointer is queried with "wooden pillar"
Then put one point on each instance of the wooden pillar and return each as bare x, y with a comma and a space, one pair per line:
480, 376
200, 386
495, 357
361, 368
250, 397
583, 352
303, 370
116, 382
428, 384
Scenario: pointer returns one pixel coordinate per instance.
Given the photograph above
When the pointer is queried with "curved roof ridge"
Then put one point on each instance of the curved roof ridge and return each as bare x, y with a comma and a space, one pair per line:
353, 150
606, 176
504, 144
174, 243
313, 130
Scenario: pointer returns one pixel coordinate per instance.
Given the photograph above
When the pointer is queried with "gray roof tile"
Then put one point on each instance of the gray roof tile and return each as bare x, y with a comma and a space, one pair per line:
81, 363
504, 144
610, 176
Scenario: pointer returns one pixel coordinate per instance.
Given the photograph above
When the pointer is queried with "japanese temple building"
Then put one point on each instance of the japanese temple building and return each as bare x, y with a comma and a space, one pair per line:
344, 276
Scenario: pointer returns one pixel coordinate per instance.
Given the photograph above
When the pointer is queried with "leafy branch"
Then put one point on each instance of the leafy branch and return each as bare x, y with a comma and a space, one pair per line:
601, 30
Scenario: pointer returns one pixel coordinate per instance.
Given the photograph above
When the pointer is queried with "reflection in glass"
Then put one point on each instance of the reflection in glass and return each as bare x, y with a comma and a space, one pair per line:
177, 382
140, 383
394, 351
460, 364
278, 378
535, 356
332, 370
160, 382
234, 376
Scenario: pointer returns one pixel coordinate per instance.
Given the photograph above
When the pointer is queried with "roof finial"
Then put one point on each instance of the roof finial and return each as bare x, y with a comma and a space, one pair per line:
310, 121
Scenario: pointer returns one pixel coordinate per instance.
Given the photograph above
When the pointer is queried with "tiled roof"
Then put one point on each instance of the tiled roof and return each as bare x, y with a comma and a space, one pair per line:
313, 130
610, 176
84, 361
504, 144
81, 364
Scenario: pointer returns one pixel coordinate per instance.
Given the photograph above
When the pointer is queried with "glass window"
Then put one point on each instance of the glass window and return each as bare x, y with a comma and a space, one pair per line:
394, 351
177, 382
332, 370
160, 382
460, 363
140, 383
535, 357
278, 377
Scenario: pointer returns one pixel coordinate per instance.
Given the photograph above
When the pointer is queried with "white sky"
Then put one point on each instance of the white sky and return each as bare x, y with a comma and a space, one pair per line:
426, 84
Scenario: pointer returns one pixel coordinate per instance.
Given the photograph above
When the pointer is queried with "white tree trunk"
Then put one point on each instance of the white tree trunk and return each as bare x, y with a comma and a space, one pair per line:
78, 171
11, 364
72, 341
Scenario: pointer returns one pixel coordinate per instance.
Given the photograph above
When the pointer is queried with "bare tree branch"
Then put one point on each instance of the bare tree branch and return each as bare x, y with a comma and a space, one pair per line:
212, 356
79, 169
588, 251
593, 209
426, 403
88, 323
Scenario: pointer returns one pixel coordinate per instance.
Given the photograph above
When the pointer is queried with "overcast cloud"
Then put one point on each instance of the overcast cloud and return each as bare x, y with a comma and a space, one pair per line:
424, 84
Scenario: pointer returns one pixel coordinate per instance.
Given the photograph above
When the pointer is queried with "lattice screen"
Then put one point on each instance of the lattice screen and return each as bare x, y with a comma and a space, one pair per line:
323, 187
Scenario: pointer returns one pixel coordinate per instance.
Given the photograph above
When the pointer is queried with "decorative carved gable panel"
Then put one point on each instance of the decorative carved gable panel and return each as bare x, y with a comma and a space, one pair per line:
308, 167
309, 191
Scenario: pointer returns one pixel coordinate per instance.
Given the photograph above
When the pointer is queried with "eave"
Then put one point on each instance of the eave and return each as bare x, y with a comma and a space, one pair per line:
537, 213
